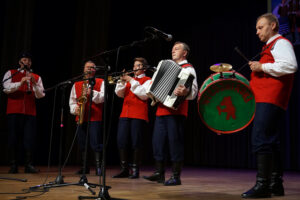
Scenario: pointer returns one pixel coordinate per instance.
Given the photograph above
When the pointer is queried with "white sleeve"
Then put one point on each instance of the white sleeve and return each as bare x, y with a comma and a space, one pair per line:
285, 60
8, 86
194, 90
98, 96
72, 100
38, 89
138, 89
120, 89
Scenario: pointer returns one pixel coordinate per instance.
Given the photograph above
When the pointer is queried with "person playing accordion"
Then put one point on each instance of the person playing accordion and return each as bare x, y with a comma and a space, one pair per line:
169, 124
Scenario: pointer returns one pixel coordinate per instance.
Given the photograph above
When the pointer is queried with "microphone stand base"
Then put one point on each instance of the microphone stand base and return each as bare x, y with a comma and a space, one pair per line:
59, 180
103, 195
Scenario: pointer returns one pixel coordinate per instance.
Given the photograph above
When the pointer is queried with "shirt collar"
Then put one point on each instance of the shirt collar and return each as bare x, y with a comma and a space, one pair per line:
140, 76
273, 38
182, 62
21, 70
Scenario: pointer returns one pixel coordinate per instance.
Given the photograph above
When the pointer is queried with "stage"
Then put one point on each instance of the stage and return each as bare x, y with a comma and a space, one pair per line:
197, 183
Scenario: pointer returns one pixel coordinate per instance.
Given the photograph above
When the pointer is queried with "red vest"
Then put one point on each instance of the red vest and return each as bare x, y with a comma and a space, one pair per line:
270, 89
182, 109
19, 101
134, 107
96, 109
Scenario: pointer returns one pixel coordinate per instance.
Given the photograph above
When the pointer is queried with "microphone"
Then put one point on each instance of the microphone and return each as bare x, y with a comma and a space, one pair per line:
167, 37
25, 67
101, 68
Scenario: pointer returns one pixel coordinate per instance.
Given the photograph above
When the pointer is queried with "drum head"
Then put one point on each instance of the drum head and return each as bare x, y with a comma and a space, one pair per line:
226, 105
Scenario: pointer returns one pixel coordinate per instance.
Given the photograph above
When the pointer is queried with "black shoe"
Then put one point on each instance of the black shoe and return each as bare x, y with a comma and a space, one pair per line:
277, 189
135, 172
133, 176
13, 161
173, 181
276, 185
175, 178
156, 176
30, 169
260, 190
13, 169
123, 174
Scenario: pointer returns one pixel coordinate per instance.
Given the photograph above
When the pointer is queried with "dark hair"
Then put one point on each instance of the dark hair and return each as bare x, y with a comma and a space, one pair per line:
88, 61
142, 60
25, 55
185, 47
271, 18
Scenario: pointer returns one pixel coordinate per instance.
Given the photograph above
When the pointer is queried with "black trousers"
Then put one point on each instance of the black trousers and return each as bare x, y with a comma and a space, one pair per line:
22, 129
169, 132
130, 131
95, 135
268, 125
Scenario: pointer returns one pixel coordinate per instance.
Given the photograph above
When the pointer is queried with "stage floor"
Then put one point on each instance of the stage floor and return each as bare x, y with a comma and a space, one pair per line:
197, 183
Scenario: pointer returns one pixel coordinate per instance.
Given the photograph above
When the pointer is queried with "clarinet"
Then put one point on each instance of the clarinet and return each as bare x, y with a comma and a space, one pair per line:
28, 70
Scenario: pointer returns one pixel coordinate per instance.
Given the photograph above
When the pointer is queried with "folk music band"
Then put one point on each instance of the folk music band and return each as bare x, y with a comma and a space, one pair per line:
271, 82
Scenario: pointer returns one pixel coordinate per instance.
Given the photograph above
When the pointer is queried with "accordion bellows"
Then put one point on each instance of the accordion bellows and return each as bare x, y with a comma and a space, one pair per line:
168, 76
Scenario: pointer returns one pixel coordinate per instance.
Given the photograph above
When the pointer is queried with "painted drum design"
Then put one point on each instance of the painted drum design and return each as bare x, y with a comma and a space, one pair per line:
226, 102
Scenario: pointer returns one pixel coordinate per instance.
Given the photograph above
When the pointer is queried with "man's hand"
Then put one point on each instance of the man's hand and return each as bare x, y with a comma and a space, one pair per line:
25, 79
181, 90
255, 66
32, 79
126, 78
77, 110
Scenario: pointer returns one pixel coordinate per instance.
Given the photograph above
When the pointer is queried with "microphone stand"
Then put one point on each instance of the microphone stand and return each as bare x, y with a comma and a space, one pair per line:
103, 193
134, 43
59, 182
83, 179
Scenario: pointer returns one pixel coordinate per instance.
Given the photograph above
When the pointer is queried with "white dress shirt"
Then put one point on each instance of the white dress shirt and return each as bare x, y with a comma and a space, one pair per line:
136, 88
284, 56
98, 97
10, 87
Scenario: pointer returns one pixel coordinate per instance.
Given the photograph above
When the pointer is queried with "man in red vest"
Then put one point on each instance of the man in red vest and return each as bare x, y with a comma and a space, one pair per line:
22, 88
271, 81
133, 117
82, 89
169, 124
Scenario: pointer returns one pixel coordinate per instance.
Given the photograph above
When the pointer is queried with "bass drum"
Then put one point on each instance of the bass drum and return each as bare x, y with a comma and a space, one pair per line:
226, 102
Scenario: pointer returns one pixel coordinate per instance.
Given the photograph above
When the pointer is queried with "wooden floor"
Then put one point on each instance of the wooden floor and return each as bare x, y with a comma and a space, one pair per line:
198, 183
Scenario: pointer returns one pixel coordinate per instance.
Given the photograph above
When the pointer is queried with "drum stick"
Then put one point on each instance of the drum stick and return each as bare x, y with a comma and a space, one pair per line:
241, 54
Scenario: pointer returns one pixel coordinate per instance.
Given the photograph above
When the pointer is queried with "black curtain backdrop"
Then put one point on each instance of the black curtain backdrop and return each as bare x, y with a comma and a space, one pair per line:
62, 34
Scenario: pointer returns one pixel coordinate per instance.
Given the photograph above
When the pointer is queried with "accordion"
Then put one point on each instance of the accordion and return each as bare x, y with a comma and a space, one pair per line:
168, 76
